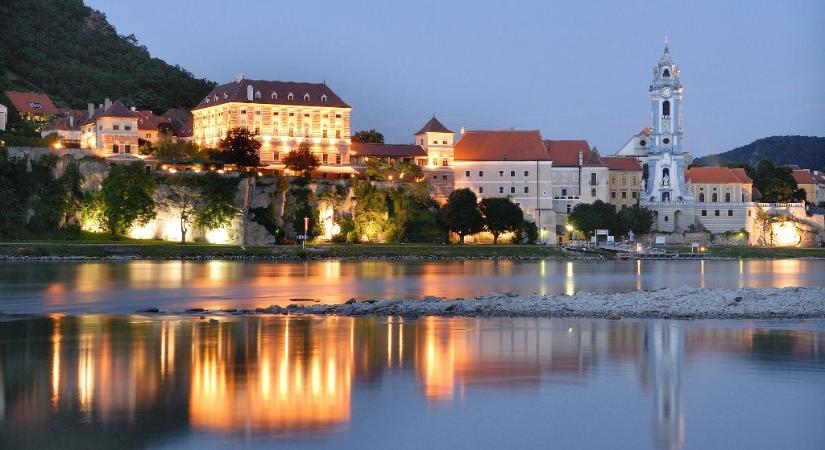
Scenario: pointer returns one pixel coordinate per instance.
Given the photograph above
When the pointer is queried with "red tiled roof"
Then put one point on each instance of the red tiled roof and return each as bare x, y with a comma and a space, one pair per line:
63, 123
717, 175
147, 120
565, 153
804, 176
515, 145
117, 109
236, 91
387, 150
181, 121
32, 102
433, 126
621, 163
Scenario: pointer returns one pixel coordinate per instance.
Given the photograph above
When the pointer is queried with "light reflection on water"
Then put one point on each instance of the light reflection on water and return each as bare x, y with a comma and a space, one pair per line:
177, 285
101, 380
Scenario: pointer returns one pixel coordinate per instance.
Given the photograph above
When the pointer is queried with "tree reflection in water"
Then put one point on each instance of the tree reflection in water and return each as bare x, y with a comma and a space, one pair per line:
129, 381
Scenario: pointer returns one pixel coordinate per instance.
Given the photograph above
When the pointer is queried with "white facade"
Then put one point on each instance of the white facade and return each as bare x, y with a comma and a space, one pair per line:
527, 183
4, 117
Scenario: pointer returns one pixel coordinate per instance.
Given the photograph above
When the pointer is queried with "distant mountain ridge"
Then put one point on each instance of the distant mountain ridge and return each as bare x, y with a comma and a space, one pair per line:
70, 52
807, 152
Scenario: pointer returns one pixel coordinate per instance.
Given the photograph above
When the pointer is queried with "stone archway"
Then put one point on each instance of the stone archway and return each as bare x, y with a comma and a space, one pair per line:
678, 217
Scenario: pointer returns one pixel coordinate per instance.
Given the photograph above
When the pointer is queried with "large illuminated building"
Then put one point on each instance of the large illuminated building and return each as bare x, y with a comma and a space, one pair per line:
281, 115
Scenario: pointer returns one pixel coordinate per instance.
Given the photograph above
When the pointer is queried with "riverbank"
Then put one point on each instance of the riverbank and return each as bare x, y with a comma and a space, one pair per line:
165, 250
669, 303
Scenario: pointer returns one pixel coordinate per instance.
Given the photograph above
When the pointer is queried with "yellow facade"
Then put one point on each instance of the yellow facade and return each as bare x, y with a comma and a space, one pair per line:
722, 192
624, 187
111, 135
280, 128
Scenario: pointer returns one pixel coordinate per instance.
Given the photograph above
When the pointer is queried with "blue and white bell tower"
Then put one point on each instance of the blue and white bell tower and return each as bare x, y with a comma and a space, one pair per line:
665, 159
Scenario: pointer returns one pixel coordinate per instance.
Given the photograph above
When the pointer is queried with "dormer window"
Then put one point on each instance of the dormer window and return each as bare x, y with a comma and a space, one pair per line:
290, 96
324, 98
306, 97
257, 94
274, 95
225, 95
216, 98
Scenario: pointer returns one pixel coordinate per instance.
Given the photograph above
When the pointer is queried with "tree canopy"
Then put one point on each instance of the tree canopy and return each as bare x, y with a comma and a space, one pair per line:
636, 218
587, 218
500, 215
301, 160
240, 147
461, 215
367, 137
126, 198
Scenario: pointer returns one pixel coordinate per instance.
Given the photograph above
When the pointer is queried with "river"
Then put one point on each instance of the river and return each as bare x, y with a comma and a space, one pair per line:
128, 286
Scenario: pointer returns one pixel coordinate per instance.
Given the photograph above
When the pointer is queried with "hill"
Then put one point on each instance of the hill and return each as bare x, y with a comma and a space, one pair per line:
70, 51
807, 152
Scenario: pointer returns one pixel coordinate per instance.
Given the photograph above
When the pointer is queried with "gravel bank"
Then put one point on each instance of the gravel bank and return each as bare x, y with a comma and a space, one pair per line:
670, 303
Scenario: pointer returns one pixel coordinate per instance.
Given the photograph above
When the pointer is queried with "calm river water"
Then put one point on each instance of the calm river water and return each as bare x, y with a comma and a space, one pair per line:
124, 287
124, 381
85, 372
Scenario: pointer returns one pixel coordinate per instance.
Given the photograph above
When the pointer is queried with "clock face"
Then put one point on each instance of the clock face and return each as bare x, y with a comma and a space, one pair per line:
666, 91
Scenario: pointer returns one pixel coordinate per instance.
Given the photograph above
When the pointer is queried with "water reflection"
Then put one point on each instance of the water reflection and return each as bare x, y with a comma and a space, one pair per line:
97, 379
43, 287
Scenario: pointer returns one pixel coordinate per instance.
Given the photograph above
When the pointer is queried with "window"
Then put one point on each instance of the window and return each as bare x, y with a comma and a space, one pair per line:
501, 189
727, 197
435, 142
714, 198
624, 194
116, 127
512, 189
338, 159
480, 189
445, 162
291, 114
704, 212
148, 136
291, 131
257, 94
624, 180
701, 197
276, 156
666, 73
324, 98
568, 208
716, 213
306, 97
480, 173
127, 127
666, 218
306, 114
593, 178
613, 179
324, 133
444, 177
526, 190
467, 173
421, 141
257, 112
290, 96
564, 192
612, 194
274, 96
730, 213
243, 111
593, 192
526, 173
338, 134
444, 142
115, 149
512, 173
634, 194
127, 148
324, 158
666, 108
501, 173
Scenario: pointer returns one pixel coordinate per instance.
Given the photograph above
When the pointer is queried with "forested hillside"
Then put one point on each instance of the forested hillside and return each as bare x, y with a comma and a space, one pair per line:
807, 152
70, 51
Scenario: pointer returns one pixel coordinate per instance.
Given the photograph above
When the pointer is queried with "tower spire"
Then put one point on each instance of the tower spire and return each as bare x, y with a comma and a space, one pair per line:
667, 42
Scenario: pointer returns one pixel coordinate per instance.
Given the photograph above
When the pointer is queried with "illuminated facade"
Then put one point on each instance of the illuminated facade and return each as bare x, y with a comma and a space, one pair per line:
625, 180
112, 129
281, 115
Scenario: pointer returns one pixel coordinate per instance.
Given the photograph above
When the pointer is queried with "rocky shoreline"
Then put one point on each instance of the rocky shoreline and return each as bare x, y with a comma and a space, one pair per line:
668, 303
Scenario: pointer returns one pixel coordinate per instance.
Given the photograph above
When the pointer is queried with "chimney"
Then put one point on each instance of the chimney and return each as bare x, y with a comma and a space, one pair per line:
91, 107
133, 108
462, 131
71, 121
581, 157
249, 93
107, 103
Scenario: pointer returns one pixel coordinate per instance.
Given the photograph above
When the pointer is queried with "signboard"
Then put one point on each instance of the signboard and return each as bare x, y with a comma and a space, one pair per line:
660, 240
611, 239
602, 232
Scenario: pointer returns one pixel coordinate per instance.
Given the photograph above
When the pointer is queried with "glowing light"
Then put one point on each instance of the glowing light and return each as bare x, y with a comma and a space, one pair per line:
569, 227
218, 236
57, 145
146, 231
785, 234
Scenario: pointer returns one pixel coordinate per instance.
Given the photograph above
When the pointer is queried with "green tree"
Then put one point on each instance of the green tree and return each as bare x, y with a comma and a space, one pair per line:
636, 218
408, 170
240, 147
587, 218
461, 215
202, 200
127, 198
368, 137
377, 168
301, 160
500, 215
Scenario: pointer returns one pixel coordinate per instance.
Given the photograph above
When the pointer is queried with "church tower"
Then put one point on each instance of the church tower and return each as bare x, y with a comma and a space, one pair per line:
665, 160
666, 105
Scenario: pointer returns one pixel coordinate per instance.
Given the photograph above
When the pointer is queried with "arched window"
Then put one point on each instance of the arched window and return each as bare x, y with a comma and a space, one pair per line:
324, 98
701, 197
306, 97
666, 108
274, 95
666, 73
714, 198
727, 197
